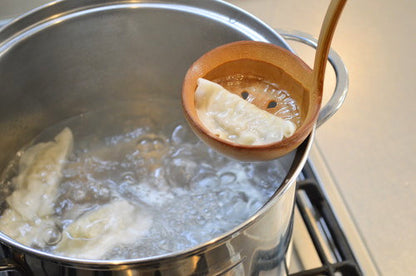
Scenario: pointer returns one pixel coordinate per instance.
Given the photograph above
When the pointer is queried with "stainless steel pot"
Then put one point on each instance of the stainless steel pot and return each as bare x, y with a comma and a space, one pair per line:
71, 57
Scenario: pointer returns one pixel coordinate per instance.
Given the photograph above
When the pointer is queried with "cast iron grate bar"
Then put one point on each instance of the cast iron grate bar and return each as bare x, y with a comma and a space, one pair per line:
333, 250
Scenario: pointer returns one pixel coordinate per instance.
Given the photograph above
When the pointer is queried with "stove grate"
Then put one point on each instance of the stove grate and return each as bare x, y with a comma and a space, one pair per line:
327, 236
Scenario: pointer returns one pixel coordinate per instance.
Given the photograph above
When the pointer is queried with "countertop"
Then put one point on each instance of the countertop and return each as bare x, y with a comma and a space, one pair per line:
369, 145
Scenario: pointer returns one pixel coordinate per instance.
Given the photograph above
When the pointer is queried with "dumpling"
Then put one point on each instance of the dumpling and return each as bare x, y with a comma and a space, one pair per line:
98, 231
32, 202
232, 118
31, 233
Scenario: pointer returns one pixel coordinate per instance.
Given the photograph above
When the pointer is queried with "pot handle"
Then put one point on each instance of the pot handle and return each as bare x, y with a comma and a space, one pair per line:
341, 73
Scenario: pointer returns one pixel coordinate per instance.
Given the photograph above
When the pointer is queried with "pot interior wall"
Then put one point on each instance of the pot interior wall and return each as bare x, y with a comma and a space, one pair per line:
97, 57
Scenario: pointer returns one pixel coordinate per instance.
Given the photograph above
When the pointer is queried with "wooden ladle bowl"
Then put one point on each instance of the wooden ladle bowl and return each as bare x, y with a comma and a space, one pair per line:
250, 58
274, 65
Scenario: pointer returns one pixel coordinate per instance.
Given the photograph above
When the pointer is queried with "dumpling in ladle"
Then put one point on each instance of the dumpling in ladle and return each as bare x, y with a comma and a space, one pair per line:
273, 64
230, 117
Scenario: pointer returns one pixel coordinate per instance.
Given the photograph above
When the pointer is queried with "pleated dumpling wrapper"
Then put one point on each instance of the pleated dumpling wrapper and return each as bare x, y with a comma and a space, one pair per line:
31, 205
96, 232
230, 117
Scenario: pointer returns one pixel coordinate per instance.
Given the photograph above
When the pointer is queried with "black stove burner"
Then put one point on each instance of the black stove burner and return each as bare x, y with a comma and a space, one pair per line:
327, 236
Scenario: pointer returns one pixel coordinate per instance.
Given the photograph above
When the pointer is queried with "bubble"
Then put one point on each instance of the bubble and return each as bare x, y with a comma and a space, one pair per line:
145, 144
128, 177
228, 178
180, 171
158, 144
179, 135
205, 181
150, 143
52, 235
183, 151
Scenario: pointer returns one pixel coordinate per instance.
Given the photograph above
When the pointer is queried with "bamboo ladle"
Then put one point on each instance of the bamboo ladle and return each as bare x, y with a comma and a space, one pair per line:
274, 64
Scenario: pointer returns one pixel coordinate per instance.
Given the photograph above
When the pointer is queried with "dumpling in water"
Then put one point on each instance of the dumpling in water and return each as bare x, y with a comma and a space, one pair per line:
98, 231
31, 205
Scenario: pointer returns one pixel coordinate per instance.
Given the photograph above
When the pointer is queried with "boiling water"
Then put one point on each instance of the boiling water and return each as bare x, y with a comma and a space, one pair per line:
151, 159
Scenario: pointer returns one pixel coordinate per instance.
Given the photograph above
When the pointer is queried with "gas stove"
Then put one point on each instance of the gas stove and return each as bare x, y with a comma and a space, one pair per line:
325, 240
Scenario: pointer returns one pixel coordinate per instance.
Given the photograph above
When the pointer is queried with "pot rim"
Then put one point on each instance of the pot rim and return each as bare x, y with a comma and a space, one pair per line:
299, 161
44, 16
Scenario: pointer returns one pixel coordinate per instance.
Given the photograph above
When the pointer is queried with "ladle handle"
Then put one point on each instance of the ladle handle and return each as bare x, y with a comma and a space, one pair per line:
341, 73
324, 42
